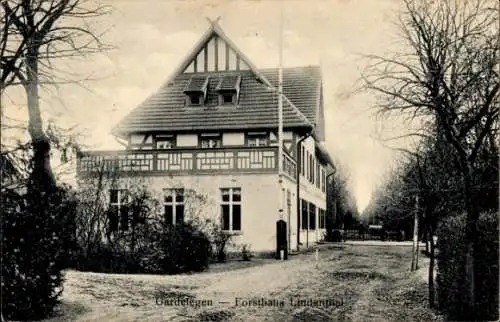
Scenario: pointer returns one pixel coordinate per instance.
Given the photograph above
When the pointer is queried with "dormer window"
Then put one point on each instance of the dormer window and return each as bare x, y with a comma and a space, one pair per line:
228, 98
196, 90
228, 89
195, 99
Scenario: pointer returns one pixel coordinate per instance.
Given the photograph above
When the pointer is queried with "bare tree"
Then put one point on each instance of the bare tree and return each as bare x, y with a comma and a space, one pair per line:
34, 34
449, 75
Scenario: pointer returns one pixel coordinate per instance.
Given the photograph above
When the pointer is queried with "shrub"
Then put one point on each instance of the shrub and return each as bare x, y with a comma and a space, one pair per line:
107, 258
38, 239
451, 268
337, 235
183, 249
219, 238
246, 254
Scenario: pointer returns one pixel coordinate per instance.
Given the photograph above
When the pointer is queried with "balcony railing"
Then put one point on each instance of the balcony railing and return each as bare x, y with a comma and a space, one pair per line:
184, 161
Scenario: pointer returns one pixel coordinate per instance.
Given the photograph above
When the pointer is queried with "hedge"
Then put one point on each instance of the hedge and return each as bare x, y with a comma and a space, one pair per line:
451, 267
37, 240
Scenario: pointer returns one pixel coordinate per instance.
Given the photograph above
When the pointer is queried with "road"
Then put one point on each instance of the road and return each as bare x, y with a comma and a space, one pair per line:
348, 283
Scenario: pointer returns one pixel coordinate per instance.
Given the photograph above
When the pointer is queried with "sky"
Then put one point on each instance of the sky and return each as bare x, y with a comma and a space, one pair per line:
151, 37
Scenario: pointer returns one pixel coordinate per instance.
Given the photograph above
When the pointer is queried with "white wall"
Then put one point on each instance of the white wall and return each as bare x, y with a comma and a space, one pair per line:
259, 202
187, 140
233, 139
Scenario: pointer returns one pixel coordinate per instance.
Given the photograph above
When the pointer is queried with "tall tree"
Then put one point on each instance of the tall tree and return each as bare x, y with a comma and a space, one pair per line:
34, 34
450, 74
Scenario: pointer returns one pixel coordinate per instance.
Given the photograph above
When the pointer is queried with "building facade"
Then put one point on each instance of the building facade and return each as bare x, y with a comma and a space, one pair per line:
213, 128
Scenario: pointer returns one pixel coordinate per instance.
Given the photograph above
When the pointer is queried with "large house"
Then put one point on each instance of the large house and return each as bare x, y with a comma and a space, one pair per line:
213, 128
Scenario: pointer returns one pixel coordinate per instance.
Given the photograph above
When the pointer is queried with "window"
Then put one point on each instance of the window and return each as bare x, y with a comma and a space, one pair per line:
304, 214
118, 215
165, 142
288, 202
231, 209
195, 99
303, 162
310, 176
312, 217
228, 89
210, 141
318, 175
323, 180
322, 219
173, 204
257, 139
196, 90
227, 98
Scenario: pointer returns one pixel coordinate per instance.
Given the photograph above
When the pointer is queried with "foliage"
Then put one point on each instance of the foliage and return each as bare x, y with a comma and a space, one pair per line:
451, 268
220, 240
183, 249
32, 265
341, 209
246, 253
149, 245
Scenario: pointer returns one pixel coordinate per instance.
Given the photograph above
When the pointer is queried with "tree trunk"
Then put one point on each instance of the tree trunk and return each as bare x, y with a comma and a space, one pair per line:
41, 177
470, 241
426, 239
432, 296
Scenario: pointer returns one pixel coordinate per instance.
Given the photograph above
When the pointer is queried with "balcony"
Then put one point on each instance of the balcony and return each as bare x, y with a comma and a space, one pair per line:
184, 161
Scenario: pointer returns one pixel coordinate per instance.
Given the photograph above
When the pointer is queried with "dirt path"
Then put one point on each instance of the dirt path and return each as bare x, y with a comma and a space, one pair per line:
355, 283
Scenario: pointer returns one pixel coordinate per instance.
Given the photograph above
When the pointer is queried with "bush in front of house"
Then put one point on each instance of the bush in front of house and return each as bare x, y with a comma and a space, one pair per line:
183, 248
451, 267
171, 249
246, 253
107, 258
37, 240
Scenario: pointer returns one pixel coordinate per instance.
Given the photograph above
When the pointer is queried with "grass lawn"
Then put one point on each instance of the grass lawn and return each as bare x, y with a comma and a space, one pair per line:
350, 283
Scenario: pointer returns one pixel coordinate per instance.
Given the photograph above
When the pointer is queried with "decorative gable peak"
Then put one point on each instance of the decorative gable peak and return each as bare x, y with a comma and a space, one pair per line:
215, 52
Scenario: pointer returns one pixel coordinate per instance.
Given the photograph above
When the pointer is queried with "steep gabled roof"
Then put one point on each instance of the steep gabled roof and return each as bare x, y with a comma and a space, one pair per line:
257, 106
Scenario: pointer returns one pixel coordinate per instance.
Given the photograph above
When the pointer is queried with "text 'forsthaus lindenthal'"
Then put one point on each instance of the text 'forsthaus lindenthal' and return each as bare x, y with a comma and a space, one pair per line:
292, 301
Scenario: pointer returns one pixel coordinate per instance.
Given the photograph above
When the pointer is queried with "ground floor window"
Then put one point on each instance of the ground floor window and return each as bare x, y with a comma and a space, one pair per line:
118, 215
321, 219
304, 214
231, 209
312, 216
173, 204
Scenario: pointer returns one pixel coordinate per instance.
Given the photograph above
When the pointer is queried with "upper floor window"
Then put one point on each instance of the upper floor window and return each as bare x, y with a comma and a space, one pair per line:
227, 98
173, 204
210, 141
231, 209
165, 142
195, 99
258, 139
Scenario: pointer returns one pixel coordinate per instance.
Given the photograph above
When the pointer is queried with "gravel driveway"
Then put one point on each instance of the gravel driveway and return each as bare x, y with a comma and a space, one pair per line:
348, 283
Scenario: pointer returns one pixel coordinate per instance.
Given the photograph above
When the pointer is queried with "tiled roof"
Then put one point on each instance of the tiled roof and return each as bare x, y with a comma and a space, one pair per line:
257, 106
228, 83
197, 84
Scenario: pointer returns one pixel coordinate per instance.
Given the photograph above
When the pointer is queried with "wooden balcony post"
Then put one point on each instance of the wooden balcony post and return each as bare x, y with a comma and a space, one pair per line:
155, 161
194, 156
